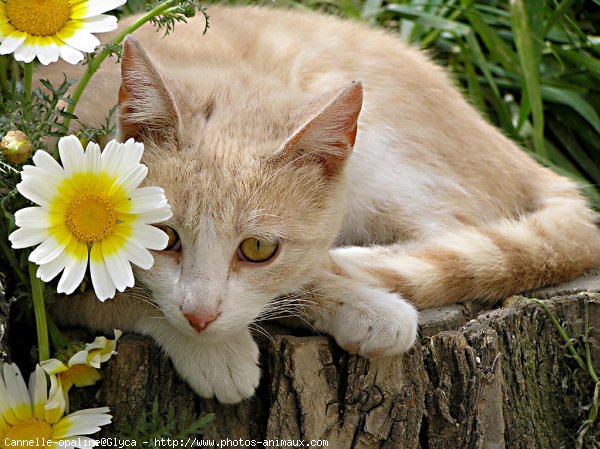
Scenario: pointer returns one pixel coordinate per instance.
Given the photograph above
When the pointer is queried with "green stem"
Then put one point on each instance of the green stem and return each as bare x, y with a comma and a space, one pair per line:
37, 290
27, 82
562, 334
558, 14
100, 57
4, 74
588, 356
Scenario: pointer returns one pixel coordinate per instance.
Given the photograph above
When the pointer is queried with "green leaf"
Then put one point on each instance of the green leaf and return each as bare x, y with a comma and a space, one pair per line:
498, 48
428, 19
570, 143
574, 100
528, 39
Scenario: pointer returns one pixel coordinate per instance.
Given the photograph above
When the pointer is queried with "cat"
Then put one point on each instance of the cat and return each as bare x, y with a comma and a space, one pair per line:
317, 163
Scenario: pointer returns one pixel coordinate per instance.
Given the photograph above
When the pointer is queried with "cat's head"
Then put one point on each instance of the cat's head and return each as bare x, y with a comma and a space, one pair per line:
256, 180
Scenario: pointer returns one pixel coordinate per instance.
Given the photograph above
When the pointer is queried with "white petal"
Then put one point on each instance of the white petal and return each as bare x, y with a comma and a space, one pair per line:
154, 216
36, 187
93, 159
53, 366
49, 250
32, 217
71, 155
25, 237
118, 158
149, 236
74, 271
91, 8
38, 390
132, 179
47, 163
133, 152
78, 39
101, 280
18, 395
138, 255
146, 199
46, 50
111, 157
79, 358
99, 24
12, 42
80, 424
5, 407
118, 266
26, 51
69, 54
55, 407
50, 270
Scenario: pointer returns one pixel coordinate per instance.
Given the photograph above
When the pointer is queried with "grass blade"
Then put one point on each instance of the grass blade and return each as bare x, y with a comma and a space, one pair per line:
528, 39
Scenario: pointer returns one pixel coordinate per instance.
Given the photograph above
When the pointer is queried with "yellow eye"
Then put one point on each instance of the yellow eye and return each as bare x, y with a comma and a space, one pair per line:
174, 243
257, 250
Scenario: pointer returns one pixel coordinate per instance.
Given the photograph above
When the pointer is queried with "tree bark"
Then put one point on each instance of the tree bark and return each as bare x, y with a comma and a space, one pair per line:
500, 380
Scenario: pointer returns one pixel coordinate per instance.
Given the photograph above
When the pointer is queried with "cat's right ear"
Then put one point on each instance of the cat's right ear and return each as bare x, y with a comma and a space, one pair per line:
146, 106
327, 137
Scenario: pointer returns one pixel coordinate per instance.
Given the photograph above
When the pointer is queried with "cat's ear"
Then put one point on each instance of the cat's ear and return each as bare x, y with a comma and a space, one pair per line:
146, 106
328, 136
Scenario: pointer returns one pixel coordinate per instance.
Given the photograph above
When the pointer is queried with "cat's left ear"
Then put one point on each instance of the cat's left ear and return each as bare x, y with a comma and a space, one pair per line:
329, 135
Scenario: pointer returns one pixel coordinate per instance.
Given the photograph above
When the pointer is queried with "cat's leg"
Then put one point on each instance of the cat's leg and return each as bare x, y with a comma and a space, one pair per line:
484, 263
363, 319
226, 368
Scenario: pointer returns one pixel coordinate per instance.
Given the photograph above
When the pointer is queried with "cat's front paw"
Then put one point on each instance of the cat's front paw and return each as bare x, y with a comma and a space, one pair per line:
227, 370
374, 324
238, 377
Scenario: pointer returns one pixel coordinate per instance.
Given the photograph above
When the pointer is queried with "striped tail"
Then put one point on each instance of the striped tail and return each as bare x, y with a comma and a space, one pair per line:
552, 244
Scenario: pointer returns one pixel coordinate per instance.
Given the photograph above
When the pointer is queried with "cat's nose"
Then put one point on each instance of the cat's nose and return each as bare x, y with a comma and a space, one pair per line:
200, 321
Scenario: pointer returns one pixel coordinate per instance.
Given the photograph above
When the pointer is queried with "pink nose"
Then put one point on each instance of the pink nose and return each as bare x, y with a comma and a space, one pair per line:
200, 321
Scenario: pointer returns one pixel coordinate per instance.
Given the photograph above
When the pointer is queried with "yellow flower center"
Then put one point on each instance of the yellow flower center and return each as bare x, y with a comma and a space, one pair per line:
91, 217
38, 17
32, 433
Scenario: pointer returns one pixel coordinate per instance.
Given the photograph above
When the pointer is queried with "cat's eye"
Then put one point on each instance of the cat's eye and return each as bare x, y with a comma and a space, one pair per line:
257, 250
174, 243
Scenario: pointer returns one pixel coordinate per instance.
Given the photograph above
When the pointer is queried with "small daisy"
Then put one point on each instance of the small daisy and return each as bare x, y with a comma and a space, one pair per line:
50, 29
102, 349
30, 414
90, 209
81, 369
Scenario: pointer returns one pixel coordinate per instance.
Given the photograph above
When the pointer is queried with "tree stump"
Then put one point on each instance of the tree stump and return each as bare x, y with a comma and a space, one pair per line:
500, 380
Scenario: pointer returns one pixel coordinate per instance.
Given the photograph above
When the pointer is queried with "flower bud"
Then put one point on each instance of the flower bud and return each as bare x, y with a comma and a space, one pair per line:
16, 147
189, 10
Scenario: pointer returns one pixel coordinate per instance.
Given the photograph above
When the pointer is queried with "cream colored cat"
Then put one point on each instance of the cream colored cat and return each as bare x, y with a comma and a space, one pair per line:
250, 130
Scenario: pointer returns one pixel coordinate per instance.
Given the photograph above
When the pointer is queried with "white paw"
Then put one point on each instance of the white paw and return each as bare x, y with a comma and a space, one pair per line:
374, 324
239, 376
226, 370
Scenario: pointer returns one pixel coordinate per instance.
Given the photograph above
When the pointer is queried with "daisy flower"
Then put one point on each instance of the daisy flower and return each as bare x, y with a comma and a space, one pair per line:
90, 209
81, 369
32, 414
50, 29
102, 349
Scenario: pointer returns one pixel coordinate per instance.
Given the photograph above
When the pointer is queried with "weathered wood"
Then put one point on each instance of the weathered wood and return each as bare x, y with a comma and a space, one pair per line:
501, 380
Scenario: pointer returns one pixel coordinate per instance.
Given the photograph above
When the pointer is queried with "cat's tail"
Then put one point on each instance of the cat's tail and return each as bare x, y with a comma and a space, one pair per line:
554, 243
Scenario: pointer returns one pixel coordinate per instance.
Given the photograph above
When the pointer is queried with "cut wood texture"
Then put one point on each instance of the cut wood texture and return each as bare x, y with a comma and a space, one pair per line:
500, 380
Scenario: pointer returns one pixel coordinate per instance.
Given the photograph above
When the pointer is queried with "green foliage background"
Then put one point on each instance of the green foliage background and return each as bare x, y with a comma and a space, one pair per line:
531, 67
